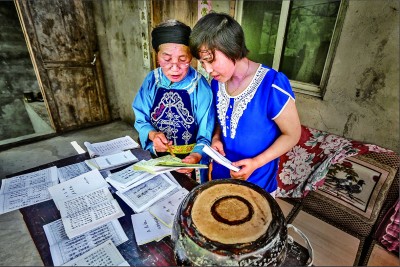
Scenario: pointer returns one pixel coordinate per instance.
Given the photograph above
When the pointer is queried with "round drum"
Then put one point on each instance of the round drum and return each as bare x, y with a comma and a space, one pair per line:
229, 222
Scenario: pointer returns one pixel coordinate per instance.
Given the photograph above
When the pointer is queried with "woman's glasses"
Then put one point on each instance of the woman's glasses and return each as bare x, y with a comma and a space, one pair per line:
168, 65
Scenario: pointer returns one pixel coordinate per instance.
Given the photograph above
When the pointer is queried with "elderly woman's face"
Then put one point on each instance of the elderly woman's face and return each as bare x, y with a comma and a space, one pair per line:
174, 60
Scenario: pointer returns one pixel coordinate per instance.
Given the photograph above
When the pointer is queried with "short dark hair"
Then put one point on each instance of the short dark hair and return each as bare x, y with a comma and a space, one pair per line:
218, 31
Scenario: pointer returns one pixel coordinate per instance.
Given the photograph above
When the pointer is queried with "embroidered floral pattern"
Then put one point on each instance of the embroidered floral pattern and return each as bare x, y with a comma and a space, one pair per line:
171, 114
222, 107
240, 102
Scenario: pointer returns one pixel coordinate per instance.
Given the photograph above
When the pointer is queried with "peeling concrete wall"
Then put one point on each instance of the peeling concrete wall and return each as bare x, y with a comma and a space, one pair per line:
362, 97
122, 31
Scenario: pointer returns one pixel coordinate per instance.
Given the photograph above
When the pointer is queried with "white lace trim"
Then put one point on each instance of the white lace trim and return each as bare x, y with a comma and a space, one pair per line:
240, 101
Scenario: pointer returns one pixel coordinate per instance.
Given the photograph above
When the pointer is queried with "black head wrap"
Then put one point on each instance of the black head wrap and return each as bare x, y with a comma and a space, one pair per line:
178, 34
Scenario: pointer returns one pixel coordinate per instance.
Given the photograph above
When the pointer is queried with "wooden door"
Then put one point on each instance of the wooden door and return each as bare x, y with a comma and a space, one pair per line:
62, 41
182, 10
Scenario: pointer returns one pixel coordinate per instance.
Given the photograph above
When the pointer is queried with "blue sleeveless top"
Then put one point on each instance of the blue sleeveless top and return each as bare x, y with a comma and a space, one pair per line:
247, 122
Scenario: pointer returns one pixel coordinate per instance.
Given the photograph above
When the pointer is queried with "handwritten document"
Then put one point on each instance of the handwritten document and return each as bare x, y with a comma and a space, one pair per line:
88, 217
85, 182
147, 193
72, 171
73, 205
63, 249
26, 189
147, 228
166, 209
85, 203
124, 178
105, 254
110, 147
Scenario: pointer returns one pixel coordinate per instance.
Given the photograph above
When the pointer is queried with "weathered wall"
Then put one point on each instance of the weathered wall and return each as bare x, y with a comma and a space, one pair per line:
362, 97
122, 31
16, 75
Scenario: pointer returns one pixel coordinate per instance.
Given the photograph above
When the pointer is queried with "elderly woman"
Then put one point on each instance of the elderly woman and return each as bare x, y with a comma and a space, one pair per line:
173, 108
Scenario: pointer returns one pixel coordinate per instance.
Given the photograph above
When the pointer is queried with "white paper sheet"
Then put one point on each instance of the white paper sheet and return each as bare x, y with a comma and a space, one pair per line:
219, 158
147, 228
124, 178
27, 189
147, 193
166, 209
87, 219
81, 184
71, 171
105, 254
63, 249
112, 161
110, 147
70, 206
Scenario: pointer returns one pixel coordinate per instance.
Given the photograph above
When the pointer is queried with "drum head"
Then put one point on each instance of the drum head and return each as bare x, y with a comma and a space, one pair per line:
231, 213
229, 222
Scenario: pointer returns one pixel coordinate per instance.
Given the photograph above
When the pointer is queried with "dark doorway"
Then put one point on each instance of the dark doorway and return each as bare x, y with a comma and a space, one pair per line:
23, 112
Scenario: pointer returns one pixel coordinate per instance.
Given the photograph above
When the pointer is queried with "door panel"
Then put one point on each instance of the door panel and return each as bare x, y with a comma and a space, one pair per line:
63, 47
78, 94
62, 28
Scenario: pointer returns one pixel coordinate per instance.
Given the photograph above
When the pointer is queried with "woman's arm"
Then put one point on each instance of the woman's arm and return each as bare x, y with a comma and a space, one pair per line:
141, 106
290, 127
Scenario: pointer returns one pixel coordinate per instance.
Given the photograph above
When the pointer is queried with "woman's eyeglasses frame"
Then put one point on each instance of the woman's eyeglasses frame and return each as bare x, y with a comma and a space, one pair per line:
168, 65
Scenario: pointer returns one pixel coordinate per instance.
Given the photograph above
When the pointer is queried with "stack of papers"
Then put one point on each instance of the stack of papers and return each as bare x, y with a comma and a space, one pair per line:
85, 203
157, 222
113, 161
26, 189
71, 171
63, 249
110, 147
126, 178
146, 192
166, 209
165, 164
147, 228
106, 254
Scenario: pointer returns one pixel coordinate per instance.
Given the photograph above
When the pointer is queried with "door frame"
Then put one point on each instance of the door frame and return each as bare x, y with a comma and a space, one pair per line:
32, 44
41, 67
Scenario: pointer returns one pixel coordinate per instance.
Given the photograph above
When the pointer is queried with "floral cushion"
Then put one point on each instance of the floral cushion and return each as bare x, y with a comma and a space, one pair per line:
304, 167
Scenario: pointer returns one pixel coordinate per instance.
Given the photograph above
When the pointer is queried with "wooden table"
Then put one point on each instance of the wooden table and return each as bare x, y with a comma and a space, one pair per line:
151, 254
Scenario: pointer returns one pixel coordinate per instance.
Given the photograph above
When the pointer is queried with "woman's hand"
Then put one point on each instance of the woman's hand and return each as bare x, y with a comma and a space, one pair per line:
193, 158
218, 146
159, 141
247, 167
